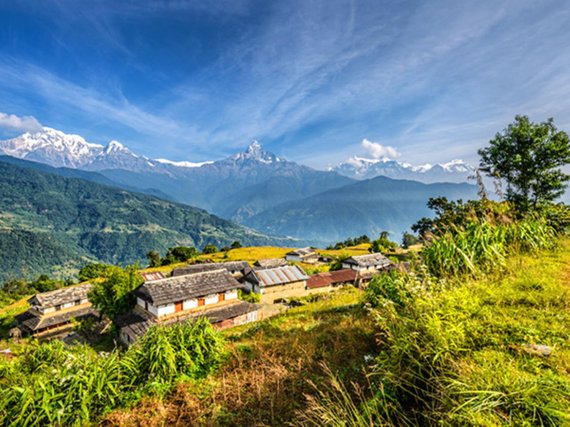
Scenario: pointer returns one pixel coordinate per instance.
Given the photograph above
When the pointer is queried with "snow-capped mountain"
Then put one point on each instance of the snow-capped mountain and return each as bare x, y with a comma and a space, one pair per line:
363, 168
256, 153
52, 147
59, 149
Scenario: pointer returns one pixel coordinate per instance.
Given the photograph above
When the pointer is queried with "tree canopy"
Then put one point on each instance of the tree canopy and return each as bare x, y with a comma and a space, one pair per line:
113, 297
528, 158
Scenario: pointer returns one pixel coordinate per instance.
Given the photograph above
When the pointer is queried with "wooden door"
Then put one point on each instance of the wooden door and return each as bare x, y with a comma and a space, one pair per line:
177, 306
201, 302
221, 297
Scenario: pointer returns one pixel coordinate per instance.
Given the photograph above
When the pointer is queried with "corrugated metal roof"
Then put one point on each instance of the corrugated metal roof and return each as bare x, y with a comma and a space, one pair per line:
281, 275
155, 275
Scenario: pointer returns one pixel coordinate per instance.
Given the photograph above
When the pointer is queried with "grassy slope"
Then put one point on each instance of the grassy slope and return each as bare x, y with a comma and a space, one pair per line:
272, 363
254, 253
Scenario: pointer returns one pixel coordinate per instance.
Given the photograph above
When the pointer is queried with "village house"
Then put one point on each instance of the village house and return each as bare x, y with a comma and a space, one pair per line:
269, 263
367, 266
329, 280
281, 282
240, 270
306, 255
211, 294
51, 313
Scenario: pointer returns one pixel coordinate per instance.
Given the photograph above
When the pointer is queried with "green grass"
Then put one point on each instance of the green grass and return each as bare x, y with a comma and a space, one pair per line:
455, 352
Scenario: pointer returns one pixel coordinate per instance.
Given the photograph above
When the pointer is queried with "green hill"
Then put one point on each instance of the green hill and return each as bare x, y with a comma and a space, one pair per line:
54, 223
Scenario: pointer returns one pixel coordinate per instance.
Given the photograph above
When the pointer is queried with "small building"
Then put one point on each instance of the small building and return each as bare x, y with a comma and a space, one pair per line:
270, 263
367, 266
51, 313
307, 255
210, 294
281, 282
329, 280
240, 270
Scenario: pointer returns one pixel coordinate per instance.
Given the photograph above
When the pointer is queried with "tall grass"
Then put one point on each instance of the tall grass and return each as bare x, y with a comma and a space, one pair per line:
451, 351
483, 247
54, 385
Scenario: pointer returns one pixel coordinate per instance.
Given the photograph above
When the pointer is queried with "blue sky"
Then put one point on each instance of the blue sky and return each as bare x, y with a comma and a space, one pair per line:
197, 80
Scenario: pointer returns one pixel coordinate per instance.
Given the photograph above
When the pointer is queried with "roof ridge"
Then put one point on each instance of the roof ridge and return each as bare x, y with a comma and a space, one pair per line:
219, 270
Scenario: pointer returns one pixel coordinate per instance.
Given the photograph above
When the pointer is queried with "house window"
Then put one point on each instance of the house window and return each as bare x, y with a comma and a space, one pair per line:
58, 307
77, 302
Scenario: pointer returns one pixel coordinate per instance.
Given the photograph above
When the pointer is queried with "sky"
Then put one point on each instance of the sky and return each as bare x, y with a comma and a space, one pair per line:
314, 81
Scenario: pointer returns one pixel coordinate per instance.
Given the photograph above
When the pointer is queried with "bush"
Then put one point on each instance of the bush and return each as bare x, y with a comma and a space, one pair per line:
249, 296
210, 249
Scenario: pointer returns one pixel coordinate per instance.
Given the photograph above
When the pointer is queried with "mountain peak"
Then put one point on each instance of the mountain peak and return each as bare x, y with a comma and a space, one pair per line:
116, 147
256, 152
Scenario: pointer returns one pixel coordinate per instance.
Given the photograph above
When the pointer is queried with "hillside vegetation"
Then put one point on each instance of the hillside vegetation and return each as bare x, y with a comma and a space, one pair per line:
50, 223
338, 362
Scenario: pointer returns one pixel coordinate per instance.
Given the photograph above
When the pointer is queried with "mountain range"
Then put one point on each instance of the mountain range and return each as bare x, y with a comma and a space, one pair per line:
56, 220
259, 189
363, 168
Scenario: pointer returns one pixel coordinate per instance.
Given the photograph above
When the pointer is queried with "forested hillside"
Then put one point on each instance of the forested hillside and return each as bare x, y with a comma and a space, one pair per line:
49, 223
367, 207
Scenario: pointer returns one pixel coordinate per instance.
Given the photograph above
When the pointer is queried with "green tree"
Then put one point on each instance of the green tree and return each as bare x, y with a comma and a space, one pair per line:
382, 244
94, 271
113, 297
153, 258
409, 239
528, 157
210, 249
236, 245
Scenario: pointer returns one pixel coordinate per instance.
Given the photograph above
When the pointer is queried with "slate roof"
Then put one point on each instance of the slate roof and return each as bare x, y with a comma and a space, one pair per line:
331, 278
242, 266
185, 287
61, 296
281, 275
270, 263
137, 324
376, 260
34, 323
302, 252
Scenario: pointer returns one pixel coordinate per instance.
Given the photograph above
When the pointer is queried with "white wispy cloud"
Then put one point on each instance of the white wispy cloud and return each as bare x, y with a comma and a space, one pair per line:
378, 151
20, 124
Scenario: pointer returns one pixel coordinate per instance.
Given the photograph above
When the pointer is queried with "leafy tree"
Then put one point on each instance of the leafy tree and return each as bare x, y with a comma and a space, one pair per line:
113, 297
16, 287
182, 253
179, 254
94, 271
153, 258
236, 245
210, 249
382, 244
44, 284
528, 157
409, 239
337, 261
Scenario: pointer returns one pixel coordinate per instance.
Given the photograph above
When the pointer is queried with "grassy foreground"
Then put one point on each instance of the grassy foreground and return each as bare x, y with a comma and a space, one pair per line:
469, 342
